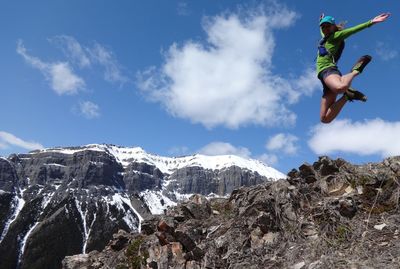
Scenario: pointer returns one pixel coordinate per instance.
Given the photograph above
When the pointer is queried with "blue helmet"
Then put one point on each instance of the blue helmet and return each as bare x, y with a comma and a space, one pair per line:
327, 19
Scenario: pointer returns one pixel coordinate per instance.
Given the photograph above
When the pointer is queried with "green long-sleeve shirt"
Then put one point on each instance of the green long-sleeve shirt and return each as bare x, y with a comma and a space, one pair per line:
333, 45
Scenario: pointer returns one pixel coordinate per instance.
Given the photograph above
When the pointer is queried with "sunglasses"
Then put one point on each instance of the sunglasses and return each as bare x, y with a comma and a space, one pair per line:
325, 25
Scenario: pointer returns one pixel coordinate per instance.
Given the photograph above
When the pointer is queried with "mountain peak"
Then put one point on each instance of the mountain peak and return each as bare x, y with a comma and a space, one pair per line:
167, 165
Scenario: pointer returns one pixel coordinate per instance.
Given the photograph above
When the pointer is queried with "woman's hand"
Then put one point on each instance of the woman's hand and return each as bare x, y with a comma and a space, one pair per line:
380, 18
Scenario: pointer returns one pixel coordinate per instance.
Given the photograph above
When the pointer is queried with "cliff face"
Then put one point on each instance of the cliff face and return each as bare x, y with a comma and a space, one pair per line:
68, 201
220, 182
330, 214
60, 204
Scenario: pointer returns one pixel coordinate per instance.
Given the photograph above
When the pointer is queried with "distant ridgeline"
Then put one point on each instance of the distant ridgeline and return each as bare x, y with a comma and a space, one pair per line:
65, 201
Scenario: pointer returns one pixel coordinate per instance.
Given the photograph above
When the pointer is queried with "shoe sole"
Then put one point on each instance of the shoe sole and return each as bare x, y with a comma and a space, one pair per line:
363, 98
361, 63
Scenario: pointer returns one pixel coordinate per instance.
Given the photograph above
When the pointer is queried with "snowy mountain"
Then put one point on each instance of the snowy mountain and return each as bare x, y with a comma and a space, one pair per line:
81, 196
168, 165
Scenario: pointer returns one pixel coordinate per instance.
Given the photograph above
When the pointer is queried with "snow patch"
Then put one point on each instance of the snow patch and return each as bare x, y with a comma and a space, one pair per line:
54, 164
23, 243
156, 201
90, 228
85, 232
17, 204
46, 199
70, 151
119, 199
182, 196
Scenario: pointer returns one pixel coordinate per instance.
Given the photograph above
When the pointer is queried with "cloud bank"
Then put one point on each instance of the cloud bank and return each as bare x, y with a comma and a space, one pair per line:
8, 139
362, 138
228, 80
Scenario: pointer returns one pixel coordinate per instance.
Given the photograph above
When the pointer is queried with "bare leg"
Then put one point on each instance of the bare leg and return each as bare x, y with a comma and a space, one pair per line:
337, 84
340, 84
330, 108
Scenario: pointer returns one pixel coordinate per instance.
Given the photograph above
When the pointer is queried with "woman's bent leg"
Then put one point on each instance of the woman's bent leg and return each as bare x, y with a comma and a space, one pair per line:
330, 108
340, 84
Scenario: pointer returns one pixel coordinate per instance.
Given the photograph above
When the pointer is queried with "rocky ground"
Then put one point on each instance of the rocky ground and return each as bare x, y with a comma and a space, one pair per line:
330, 214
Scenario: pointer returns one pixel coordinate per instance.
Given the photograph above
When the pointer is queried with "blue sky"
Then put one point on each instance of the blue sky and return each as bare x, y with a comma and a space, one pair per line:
183, 77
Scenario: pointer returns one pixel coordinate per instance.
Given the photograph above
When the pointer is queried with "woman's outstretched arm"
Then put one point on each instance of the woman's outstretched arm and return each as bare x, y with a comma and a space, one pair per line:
352, 30
380, 18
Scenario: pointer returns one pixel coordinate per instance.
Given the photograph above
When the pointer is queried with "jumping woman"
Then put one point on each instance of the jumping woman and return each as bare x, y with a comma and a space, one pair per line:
329, 52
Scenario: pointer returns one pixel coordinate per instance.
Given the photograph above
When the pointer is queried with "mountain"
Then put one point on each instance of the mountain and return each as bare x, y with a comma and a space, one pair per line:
329, 214
65, 201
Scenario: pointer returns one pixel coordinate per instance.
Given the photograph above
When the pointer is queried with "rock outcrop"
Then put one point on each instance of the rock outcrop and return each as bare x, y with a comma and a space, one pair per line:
330, 214
220, 182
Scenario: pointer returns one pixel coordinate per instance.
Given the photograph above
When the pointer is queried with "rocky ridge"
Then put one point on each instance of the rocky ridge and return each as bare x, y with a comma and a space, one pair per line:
81, 196
330, 214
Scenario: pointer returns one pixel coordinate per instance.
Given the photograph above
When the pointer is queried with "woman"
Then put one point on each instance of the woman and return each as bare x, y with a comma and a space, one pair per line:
329, 52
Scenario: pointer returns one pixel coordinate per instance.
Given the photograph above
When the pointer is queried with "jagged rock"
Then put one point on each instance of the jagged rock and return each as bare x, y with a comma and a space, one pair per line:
120, 240
79, 261
8, 176
196, 254
166, 224
347, 208
326, 166
294, 223
140, 176
198, 207
186, 241
149, 225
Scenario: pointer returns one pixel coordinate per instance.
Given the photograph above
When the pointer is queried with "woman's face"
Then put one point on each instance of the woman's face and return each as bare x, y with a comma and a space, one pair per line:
327, 28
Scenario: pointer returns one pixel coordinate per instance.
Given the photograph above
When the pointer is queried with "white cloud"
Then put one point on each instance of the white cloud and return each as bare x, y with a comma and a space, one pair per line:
72, 49
229, 80
268, 159
307, 83
89, 110
60, 75
385, 52
63, 80
285, 143
222, 148
106, 58
7, 140
363, 138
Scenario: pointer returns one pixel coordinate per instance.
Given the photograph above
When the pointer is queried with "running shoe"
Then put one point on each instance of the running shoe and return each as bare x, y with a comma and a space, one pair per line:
361, 63
352, 94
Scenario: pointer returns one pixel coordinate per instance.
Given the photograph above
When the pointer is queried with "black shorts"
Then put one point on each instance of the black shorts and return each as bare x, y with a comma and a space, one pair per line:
325, 73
